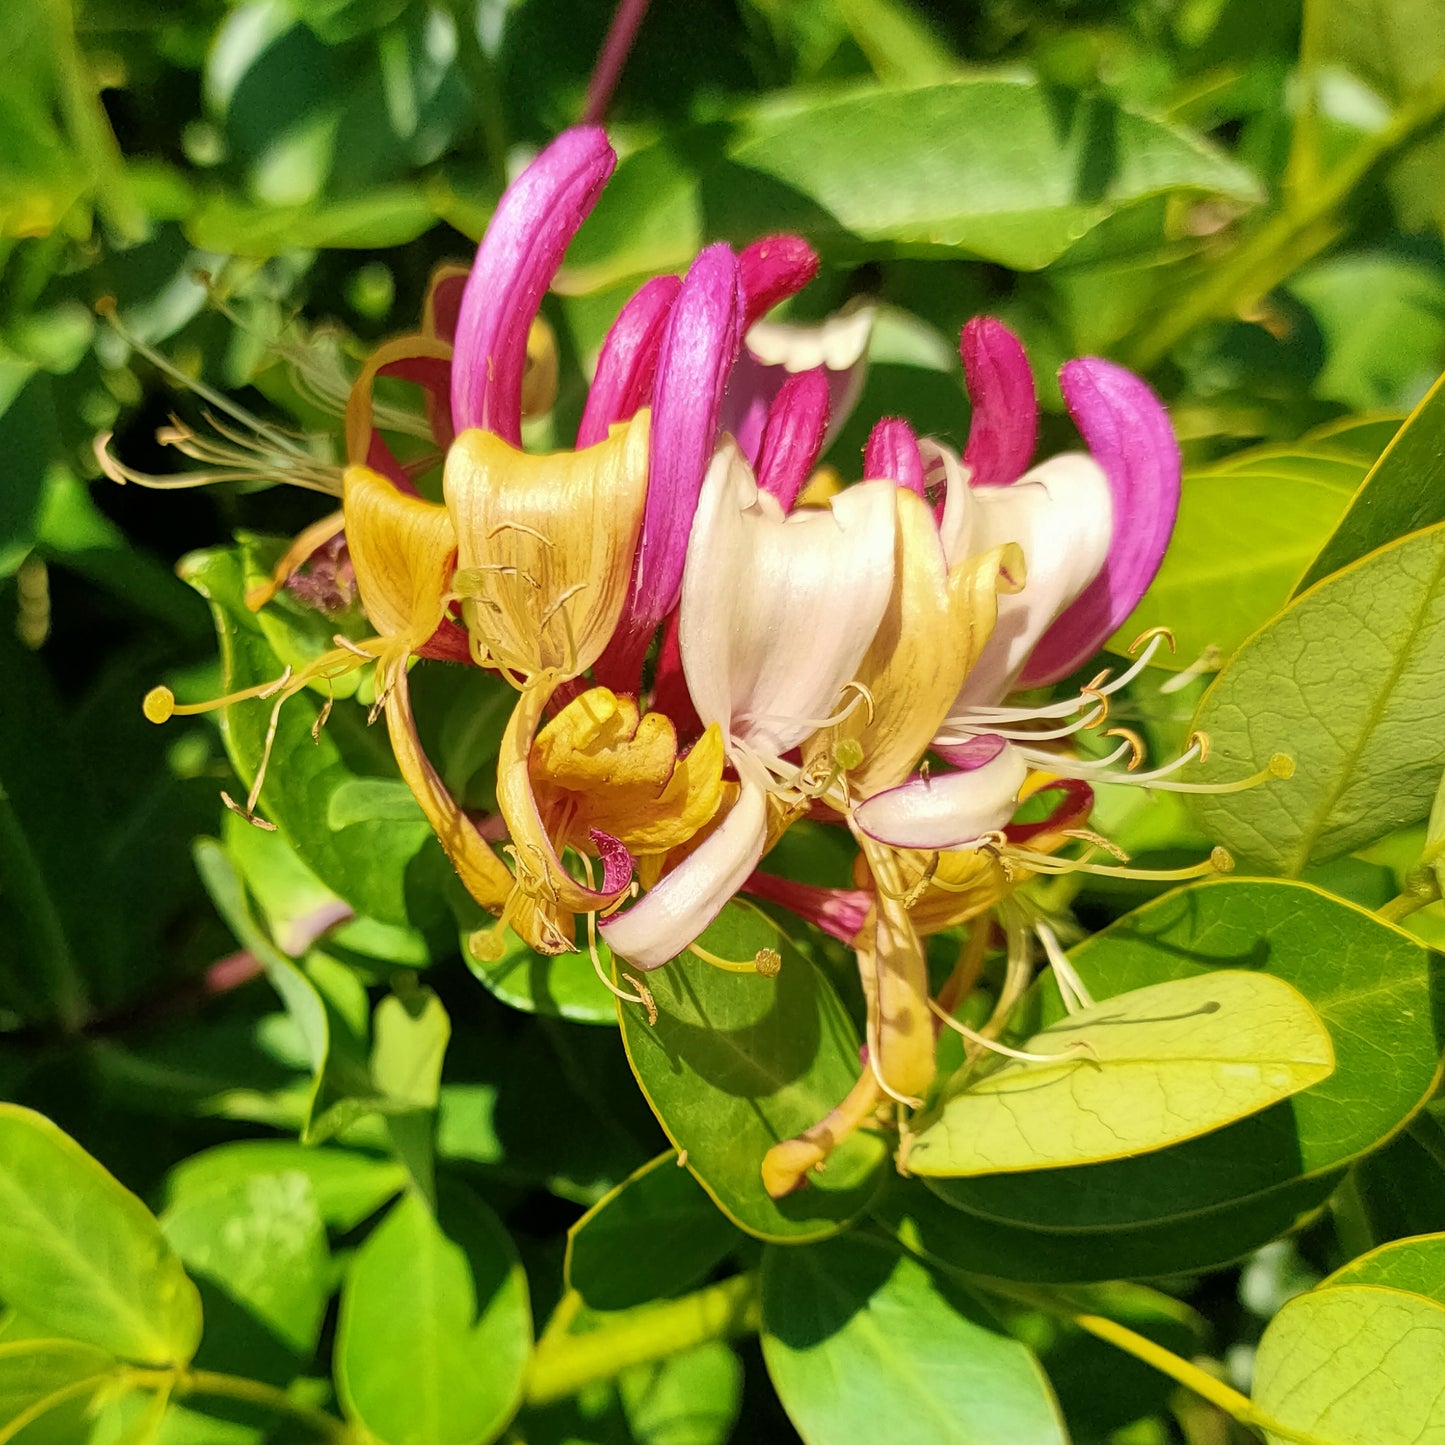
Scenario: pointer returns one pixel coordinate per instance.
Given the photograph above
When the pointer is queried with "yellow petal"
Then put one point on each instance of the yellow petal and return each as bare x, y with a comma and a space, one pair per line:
937, 622
403, 550
359, 406
545, 545
597, 764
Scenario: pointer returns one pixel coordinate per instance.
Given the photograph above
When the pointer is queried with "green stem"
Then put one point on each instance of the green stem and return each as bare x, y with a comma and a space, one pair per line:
1427, 1133
563, 1366
264, 1397
40, 920
1238, 1407
486, 89
1292, 236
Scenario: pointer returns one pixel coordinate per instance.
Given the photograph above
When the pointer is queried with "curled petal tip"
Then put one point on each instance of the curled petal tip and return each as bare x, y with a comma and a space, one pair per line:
793, 436
892, 453
1005, 425
773, 269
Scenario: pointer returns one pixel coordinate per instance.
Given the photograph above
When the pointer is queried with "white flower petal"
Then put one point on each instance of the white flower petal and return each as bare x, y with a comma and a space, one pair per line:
668, 917
1060, 513
946, 810
778, 612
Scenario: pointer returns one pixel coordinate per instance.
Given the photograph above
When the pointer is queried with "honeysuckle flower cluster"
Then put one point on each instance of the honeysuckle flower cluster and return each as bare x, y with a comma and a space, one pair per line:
710, 639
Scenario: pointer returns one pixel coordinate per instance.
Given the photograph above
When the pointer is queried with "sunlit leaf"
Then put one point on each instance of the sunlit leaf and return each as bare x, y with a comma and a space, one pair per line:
81, 1254
1416, 1266
1137, 1072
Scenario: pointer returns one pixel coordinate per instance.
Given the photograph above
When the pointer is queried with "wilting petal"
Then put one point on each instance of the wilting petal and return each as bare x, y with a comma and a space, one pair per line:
1061, 516
776, 350
536, 218
946, 810
777, 612
892, 452
599, 765
676, 910
1128, 432
697, 353
628, 362
545, 545
936, 626
793, 436
403, 550
1005, 425
773, 269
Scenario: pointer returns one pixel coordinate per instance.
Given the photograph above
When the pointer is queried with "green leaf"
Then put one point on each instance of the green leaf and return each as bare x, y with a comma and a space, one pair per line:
562, 985
82, 1255
39, 1375
1370, 983
864, 1344
692, 1398
1246, 531
1137, 1072
259, 1243
1346, 681
1404, 491
27, 439
899, 45
1347, 1365
347, 1186
1416, 1266
997, 169
453, 1375
657, 1234
391, 871
737, 1063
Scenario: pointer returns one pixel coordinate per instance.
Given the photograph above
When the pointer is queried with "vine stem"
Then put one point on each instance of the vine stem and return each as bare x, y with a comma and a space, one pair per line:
217, 1386
565, 1364
1295, 234
621, 34
482, 79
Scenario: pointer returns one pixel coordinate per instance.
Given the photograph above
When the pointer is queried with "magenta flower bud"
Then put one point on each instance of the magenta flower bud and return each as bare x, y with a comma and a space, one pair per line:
892, 453
628, 361
793, 436
536, 218
773, 269
1005, 425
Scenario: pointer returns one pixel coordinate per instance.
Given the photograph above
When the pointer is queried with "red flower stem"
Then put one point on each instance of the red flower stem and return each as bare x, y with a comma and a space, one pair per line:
615, 49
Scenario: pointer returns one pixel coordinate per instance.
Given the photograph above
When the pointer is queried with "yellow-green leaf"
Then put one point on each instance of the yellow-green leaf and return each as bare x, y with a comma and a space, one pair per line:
1135, 1073
1354, 1365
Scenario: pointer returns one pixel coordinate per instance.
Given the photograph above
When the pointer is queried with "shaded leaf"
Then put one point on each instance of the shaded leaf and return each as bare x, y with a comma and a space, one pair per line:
1163, 1063
691, 1398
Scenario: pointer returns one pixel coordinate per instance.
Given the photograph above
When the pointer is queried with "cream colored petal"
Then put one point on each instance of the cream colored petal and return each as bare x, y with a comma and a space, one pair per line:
778, 612
545, 545
403, 550
946, 810
673, 913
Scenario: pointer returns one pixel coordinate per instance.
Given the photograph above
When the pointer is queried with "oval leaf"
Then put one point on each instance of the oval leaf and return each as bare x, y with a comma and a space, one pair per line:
1416, 1266
864, 1344
657, 1234
1137, 1072
435, 1325
737, 1062
1347, 1365
1347, 682
82, 1255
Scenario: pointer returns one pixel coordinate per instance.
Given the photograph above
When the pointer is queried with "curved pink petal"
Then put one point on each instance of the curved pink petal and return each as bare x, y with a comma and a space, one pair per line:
675, 911
892, 453
536, 218
773, 269
839, 912
793, 436
699, 346
628, 362
1005, 425
946, 810
616, 862
1127, 431
972, 753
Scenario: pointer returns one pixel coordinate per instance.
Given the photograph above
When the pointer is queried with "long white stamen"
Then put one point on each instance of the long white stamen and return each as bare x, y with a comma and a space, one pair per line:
1071, 987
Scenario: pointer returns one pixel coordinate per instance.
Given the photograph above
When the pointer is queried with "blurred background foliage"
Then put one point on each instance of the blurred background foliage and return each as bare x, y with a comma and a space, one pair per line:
1243, 200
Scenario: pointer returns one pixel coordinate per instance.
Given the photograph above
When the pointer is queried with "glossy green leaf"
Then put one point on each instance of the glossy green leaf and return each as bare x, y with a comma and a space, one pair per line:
453, 1374
1404, 491
1416, 1266
657, 1234
82, 1255
1137, 1072
1347, 681
347, 1186
865, 1344
563, 985
1245, 534
384, 867
993, 168
27, 427
1347, 1365
737, 1063
1371, 984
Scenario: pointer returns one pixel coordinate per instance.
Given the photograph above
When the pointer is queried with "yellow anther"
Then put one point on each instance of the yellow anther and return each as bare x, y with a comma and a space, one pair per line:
768, 962
1148, 635
1136, 744
1221, 860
